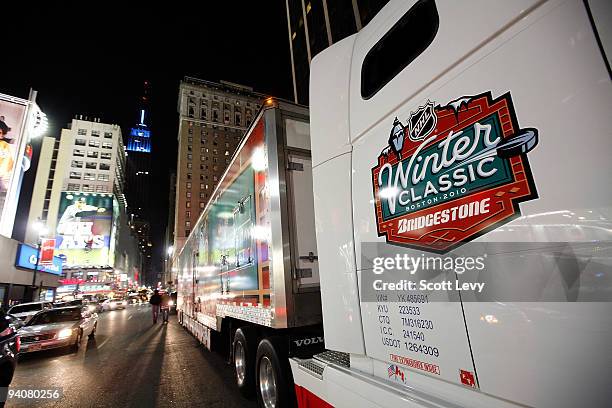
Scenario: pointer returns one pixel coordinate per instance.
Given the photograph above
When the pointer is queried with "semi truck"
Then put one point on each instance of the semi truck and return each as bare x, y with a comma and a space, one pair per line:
435, 230
458, 131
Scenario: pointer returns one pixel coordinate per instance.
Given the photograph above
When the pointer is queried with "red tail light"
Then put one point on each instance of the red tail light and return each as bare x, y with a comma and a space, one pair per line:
18, 343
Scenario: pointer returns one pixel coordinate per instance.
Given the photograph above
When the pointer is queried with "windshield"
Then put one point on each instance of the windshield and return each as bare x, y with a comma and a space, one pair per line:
56, 316
25, 308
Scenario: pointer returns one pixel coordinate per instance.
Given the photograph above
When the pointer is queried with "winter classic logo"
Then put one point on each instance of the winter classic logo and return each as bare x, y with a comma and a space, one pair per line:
454, 173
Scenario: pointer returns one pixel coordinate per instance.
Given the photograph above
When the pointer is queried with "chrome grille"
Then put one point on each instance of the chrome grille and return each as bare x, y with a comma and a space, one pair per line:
37, 337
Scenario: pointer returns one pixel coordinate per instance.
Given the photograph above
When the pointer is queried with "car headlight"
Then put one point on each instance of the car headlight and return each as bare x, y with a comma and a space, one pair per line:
171, 303
64, 333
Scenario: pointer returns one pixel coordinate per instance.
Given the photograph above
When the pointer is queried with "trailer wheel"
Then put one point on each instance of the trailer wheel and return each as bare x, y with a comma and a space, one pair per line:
244, 351
275, 387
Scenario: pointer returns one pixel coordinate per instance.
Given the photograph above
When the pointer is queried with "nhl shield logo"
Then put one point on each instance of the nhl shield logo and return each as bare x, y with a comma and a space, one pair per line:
422, 122
462, 171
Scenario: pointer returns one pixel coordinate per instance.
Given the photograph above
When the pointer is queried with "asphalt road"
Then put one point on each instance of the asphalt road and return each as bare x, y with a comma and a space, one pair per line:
131, 363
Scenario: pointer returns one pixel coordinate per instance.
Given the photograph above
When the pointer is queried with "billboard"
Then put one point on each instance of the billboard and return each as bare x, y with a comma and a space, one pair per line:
26, 258
12, 119
83, 234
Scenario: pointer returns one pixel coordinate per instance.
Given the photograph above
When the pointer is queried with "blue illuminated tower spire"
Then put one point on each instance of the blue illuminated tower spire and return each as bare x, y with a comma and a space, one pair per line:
139, 139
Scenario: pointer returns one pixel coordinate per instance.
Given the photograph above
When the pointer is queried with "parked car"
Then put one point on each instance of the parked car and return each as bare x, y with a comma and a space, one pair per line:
25, 311
9, 348
59, 327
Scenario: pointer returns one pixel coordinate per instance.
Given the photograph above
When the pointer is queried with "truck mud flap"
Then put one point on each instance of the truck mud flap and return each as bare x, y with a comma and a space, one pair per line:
197, 329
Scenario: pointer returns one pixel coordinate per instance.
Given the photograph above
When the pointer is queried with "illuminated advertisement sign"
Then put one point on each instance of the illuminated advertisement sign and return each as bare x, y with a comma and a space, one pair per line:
83, 235
47, 249
12, 118
26, 258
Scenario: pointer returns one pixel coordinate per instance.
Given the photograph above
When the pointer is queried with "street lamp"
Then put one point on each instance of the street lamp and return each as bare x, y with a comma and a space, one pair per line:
42, 230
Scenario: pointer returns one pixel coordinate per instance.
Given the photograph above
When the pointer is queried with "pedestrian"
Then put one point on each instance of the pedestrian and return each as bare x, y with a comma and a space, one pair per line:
165, 306
155, 302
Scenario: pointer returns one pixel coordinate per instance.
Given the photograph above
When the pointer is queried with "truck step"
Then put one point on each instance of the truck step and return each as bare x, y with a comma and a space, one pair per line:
334, 357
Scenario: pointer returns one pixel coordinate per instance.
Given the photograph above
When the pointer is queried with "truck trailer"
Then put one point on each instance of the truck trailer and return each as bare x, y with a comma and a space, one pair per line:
248, 276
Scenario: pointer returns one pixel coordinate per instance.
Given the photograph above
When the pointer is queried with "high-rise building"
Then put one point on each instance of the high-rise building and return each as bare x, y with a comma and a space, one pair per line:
79, 195
213, 119
314, 25
140, 180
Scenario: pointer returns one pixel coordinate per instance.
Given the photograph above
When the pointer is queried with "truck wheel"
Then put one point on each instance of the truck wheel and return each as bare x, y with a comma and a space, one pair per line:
274, 378
244, 349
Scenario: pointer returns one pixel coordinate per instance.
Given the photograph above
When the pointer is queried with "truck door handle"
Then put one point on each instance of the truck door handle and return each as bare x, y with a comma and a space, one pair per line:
311, 257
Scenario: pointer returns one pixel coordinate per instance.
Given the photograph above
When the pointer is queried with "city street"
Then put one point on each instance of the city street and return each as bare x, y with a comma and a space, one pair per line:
132, 363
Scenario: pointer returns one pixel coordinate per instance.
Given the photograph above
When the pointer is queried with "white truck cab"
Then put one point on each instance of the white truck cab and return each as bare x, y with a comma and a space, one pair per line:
475, 126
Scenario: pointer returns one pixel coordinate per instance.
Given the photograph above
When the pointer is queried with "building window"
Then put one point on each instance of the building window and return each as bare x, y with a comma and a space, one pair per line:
187, 232
94, 143
189, 156
201, 186
187, 214
95, 133
91, 165
108, 135
215, 115
187, 224
188, 184
100, 189
107, 145
92, 154
202, 158
103, 177
227, 152
88, 188
189, 194
78, 153
76, 163
214, 178
190, 139
75, 175
105, 156
188, 176
201, 205
201, 177
202, 194
89, 176
188, 204
189, 166
104, 166
74, 187
82, 132
189, 148
79, 142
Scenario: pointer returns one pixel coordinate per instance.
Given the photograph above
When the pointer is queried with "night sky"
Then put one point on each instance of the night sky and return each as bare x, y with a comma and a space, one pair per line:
93, 61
